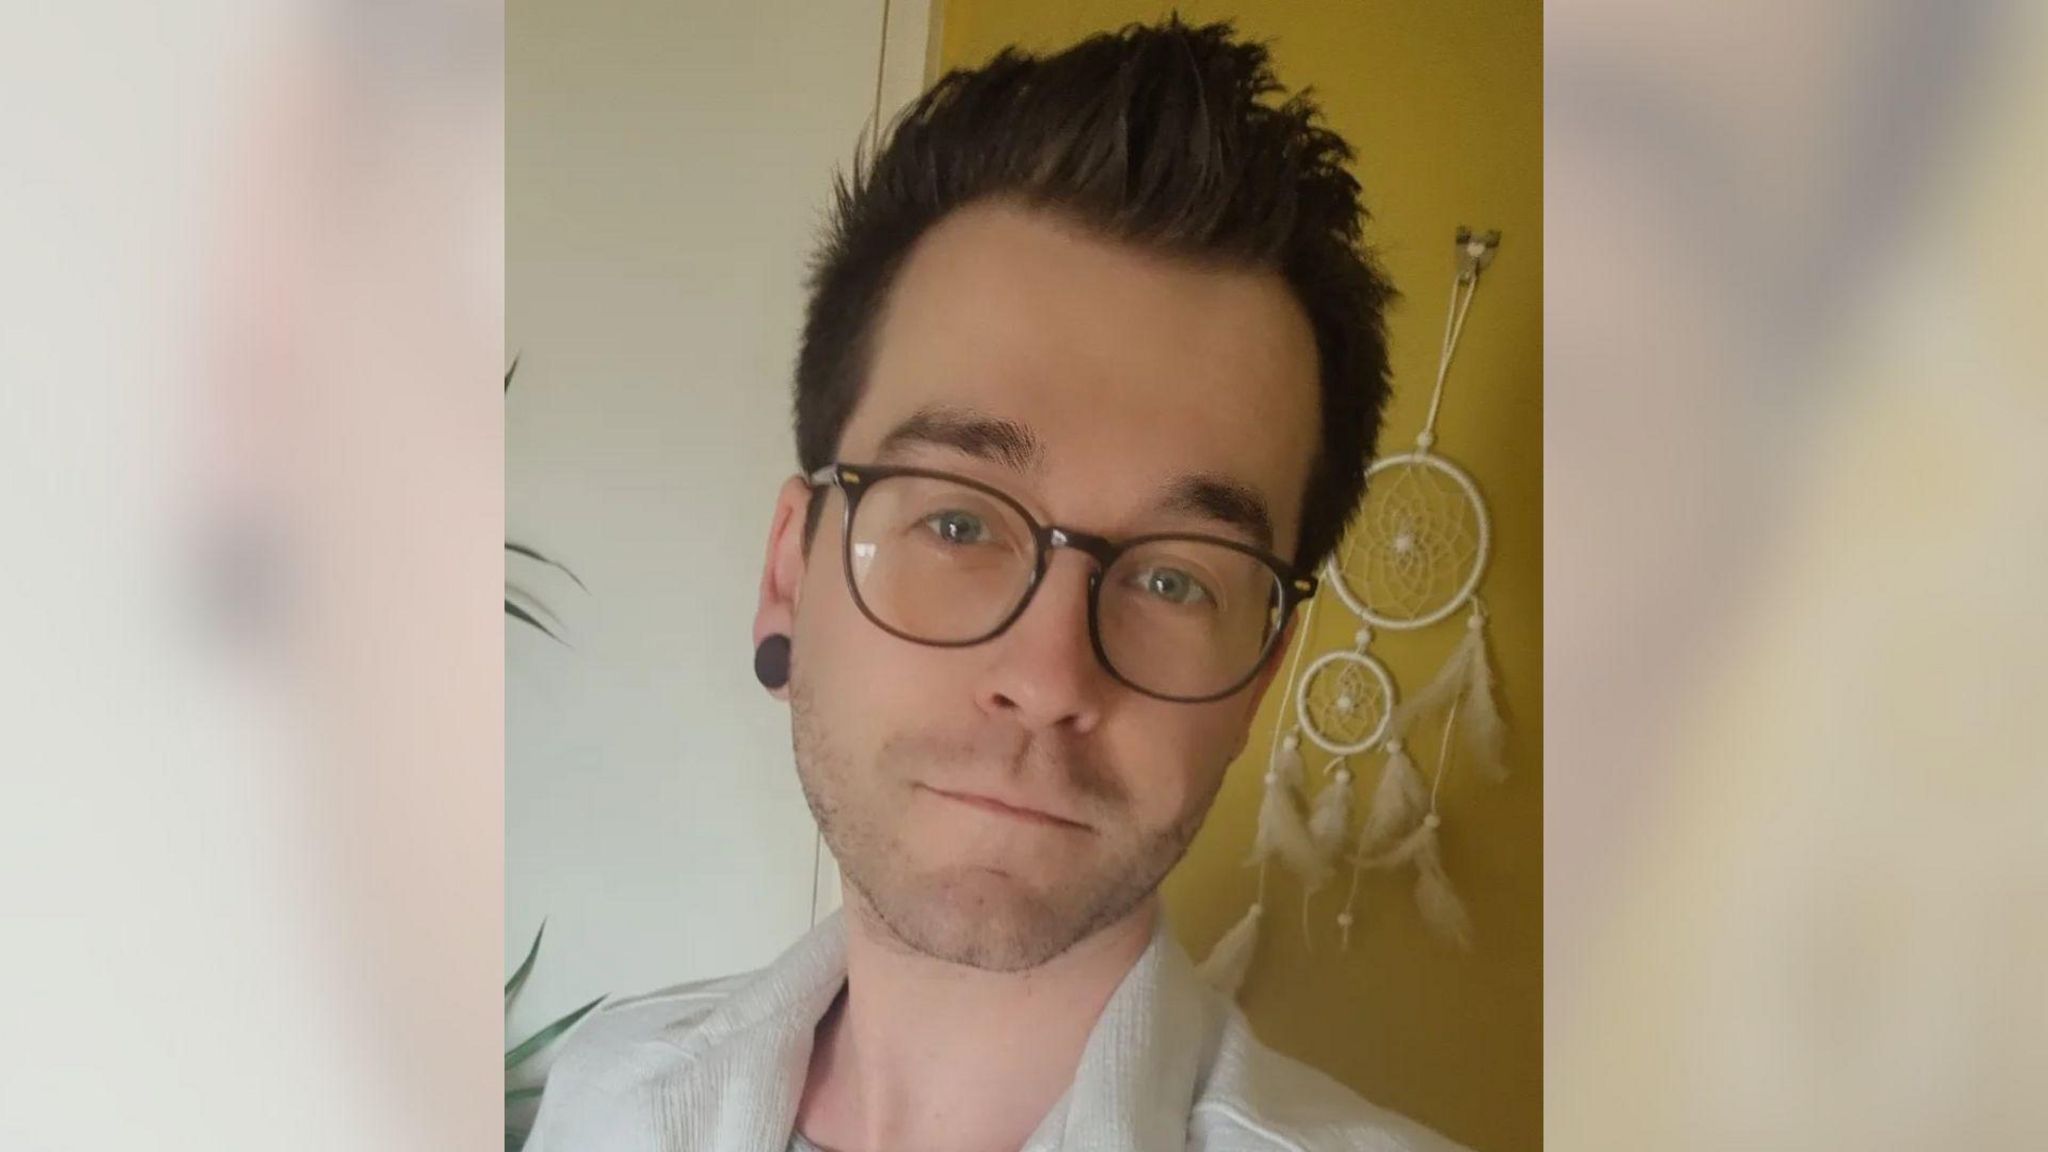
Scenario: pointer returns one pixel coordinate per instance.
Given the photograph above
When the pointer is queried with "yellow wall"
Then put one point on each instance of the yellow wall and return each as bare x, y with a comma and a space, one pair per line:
1443, 102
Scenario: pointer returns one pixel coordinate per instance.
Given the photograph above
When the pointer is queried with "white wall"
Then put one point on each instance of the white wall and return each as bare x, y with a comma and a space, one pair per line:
667, 166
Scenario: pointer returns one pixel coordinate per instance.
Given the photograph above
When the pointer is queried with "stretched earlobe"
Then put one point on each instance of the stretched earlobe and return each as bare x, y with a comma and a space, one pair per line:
771, 662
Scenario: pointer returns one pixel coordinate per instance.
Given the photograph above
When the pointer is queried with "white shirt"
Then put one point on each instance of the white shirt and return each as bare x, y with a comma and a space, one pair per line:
1170, 1065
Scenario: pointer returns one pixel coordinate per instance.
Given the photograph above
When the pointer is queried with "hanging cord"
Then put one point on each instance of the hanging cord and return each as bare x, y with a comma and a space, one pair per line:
1308, 938
881, 70
1462, 292
1308, 620
1308, 897
1443, 755
1473, 255
1351, 897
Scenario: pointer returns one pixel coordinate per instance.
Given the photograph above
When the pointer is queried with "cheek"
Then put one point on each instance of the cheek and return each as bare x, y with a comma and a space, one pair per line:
1174, 761
828, 648
866, 681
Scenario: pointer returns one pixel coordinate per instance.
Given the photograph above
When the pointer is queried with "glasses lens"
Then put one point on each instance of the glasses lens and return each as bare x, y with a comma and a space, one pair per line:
1187, 618
936, 560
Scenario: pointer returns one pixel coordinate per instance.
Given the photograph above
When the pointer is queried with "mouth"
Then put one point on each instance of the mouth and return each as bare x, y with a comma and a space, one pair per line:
999, 808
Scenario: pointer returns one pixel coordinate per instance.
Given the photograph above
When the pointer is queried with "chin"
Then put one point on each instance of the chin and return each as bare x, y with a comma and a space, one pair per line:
979, 917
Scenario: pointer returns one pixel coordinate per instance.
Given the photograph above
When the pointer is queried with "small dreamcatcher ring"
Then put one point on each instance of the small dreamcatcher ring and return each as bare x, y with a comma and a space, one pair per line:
1394, 537
1345, 701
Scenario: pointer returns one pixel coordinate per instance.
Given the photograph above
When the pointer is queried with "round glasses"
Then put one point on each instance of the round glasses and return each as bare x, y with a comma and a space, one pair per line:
942, 560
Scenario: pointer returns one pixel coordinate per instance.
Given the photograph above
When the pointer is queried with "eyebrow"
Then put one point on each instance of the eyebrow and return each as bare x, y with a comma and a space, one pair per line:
1005, 442
1015, 446
1224, 500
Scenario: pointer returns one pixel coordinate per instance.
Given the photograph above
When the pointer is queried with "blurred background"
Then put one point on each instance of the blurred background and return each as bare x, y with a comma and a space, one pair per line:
251, 321
1794, 536
253, 326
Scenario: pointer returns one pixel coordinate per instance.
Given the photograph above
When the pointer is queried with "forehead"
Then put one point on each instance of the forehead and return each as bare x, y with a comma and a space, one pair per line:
1130, 367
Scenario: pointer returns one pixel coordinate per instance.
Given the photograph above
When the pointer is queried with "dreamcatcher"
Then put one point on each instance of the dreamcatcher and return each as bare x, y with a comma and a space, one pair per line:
1415, 555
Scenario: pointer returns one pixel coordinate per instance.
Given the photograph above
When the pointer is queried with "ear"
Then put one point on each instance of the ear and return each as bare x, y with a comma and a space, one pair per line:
782, 570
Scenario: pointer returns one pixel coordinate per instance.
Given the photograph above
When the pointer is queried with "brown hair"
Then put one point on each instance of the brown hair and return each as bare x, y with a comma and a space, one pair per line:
1159, 136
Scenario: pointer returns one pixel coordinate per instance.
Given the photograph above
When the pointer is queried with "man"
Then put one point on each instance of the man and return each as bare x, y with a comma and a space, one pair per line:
1092, 371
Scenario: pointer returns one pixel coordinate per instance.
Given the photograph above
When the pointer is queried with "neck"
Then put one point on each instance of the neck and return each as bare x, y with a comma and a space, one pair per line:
921, 1055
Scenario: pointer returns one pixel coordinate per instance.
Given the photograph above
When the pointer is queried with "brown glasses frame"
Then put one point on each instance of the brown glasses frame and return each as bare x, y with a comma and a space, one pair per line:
1295, 587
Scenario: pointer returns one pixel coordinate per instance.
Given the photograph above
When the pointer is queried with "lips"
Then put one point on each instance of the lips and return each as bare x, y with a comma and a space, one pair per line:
1010, 809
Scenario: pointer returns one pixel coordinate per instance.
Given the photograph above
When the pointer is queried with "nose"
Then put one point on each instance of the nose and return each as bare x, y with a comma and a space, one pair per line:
1042, 672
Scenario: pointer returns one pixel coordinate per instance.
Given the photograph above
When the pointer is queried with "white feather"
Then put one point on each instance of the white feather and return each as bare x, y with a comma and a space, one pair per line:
1284, 837
1450, 682
1282, 833
1479, 720
1225, 967
1400, 853
1287, 764
1330, 819
1438, 901
1396, 802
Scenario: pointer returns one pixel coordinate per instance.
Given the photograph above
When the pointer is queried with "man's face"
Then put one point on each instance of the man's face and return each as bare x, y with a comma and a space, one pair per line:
1124, 377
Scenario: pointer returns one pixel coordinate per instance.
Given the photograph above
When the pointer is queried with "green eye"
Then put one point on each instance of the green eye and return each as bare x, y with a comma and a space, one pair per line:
954, 527
1173, 586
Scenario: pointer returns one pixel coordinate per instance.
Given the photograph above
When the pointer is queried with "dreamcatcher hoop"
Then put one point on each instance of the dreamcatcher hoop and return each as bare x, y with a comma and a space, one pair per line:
1349, 671
1403, 543
1392, 554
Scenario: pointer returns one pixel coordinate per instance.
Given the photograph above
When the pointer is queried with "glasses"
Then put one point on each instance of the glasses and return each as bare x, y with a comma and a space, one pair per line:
946, 561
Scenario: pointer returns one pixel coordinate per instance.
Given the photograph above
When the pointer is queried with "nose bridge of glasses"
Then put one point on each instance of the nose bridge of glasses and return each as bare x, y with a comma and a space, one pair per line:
1096, 548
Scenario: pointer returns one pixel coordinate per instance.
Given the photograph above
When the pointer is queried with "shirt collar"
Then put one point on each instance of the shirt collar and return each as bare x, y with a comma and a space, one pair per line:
1133, 1089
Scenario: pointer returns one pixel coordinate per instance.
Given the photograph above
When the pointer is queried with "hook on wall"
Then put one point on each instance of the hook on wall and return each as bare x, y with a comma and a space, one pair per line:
1475, 251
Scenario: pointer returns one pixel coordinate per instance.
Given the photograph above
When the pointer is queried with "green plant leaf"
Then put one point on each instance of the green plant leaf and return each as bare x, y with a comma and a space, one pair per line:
534, 607
521, 614
518, 1095
546, 1036
531, 554
526, 965
536, 613
515, 1139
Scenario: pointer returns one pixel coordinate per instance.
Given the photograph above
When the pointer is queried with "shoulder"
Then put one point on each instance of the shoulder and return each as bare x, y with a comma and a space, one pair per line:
620, 1028
618, 1049
1259, 1100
